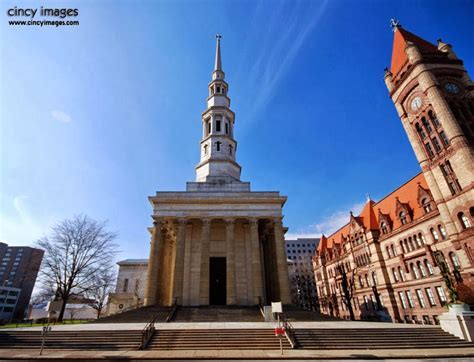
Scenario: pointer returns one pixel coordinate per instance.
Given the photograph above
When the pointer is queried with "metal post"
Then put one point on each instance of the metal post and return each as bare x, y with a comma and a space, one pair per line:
44, 333
279, 334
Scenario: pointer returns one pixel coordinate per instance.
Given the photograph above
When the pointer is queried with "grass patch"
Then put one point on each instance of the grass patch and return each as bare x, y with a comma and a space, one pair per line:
27, 324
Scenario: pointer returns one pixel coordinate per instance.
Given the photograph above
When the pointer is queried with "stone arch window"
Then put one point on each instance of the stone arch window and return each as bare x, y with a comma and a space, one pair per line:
394, 251
361, 281
422, 238
444, 138
230, 150
395, 275
419, 244
218, 146
413, 245
408, 245
434, 234
420, 131
422, 269
415, 271
389, 252
434, 119
402, 273
403, 247
442, 231
464, 220
427, 125
454, 260
429, 267
374, 278
426, 205
218, 89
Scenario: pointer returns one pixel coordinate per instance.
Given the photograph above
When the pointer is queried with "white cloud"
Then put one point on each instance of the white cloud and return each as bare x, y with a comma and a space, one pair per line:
281, 38
61, 116
327, 225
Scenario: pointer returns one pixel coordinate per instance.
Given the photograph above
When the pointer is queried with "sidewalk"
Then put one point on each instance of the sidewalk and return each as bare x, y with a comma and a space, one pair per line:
466, 354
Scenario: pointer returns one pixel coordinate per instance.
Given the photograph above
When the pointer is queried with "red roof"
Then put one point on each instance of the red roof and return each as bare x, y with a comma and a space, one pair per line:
399, 57
406, 194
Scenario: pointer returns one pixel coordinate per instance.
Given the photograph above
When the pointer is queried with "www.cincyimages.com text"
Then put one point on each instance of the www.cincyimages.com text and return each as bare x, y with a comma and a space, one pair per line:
31, 16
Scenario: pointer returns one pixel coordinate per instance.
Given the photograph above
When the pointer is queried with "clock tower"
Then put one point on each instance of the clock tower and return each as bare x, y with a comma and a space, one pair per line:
434, 98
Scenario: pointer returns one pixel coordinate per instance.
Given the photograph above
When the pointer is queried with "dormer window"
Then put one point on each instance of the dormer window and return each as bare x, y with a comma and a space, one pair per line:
383, 227
425, 203
403, 217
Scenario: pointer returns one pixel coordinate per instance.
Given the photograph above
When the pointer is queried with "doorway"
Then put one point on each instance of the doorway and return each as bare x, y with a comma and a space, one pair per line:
217, 281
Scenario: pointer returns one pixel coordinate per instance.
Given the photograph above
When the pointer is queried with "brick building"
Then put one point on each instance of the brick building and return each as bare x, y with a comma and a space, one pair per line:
394, 252
19, 266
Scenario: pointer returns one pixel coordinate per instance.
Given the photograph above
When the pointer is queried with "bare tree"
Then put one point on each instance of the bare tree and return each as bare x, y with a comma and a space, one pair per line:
101, 285
347, 288
76, 251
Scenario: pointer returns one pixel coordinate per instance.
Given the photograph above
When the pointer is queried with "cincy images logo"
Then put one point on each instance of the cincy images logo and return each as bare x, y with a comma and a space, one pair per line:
36, 17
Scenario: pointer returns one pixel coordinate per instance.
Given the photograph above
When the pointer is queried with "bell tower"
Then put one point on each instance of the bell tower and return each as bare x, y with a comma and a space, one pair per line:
218, 146
434, 98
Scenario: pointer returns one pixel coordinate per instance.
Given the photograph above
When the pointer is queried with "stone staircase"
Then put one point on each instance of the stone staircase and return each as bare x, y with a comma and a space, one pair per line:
80, 340
377, 338
218, 314
216, 339
140, 315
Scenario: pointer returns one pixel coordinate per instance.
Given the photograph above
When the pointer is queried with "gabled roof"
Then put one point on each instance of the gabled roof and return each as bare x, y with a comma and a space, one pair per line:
400, 38
406, 194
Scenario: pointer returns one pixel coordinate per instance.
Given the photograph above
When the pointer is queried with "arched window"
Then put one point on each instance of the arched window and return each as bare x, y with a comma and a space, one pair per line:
435, 235
402, 273
383, 227
414, 270
402, 247
389, 252
374, 278
361, 281
410, 241
218, 126
422, 269
403, 217
367, 280
408, 245
208, 127
425, 203
426, 124
429, 267
218, 146
442, 231
465, 223
434, 119
422, 238
418, 241
395, 275
205, 149
454, 260
394, 251
420, 131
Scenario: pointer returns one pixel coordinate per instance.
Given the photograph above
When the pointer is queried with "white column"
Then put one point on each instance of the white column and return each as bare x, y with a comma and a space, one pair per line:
154, 263
256, 264
179, 262
282, 266
204, 280
230, 261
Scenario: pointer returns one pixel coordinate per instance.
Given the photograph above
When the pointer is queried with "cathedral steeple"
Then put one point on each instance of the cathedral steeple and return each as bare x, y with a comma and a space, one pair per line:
218, 146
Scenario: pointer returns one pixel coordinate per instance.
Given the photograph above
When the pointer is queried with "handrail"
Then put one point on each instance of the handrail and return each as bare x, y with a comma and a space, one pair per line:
289, 330
148, 333
172, 311
260, 306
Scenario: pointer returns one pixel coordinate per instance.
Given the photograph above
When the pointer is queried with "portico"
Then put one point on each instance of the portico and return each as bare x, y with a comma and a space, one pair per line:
218, 242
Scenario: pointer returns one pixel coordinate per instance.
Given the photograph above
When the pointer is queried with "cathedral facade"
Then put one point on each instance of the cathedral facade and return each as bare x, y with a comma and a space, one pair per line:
218, 242
403, 256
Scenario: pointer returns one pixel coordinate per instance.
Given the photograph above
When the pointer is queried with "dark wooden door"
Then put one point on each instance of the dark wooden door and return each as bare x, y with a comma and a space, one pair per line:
217, 281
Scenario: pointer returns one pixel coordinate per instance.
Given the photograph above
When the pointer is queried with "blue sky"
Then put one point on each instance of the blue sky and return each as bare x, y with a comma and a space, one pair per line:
96, 117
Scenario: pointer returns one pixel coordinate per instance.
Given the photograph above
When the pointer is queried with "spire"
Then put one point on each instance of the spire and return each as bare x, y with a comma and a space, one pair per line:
401, 39
218, 63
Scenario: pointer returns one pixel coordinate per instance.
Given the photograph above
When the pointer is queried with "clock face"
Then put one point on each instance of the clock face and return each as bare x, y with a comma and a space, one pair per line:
416, 103
451, 88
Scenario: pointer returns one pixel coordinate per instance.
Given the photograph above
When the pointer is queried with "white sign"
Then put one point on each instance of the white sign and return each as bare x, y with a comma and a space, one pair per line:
277, 307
